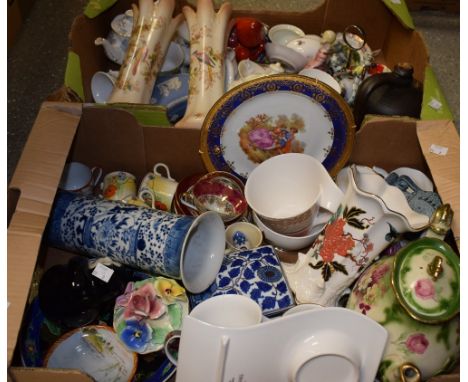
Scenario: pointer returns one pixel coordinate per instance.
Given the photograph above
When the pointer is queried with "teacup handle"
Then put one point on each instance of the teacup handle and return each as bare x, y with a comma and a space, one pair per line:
168, 174
145, 191
171, 348
187, 200
96, 173
333, 195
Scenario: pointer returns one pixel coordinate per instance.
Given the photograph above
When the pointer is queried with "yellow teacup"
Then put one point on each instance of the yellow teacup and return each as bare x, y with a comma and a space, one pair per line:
161, 188
119, 185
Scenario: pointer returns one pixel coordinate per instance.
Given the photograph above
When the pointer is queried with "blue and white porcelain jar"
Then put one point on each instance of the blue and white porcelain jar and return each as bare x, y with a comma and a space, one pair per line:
149, 240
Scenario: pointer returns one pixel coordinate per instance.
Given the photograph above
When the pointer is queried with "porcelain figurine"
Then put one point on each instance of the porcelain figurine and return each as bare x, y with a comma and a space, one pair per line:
328, 38
415, 295
153, 28
208, 36
371, 215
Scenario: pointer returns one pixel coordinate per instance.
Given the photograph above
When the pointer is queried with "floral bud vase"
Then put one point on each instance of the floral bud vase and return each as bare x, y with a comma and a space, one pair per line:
208, 37
371, 215
153, 28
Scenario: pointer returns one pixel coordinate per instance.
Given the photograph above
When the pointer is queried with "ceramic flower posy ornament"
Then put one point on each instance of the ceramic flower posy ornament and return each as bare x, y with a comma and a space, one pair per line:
153, 28
208, 39
148, 311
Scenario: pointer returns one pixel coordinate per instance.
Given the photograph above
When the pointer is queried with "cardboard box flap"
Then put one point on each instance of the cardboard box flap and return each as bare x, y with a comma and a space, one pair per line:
36, 178
37, 174
95, 145
440, 145
37, 374
373, 145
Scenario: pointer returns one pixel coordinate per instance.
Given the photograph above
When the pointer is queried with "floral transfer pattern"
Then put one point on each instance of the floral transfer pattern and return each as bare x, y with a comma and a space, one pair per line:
264, 136
335, 241
409, 340
148, 311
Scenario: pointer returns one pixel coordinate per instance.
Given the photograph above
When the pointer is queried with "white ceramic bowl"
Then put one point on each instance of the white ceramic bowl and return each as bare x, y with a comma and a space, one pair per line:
307, 46
288, 243
322, 77
283, 33
289, 58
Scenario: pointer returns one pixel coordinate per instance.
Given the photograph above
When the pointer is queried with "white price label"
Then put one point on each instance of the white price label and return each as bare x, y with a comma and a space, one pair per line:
102, 272
439, 150
435, 104
396, 1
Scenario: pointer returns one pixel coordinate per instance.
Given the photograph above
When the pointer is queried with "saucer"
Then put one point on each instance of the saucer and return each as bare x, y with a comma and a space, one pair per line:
285, 242
94, 350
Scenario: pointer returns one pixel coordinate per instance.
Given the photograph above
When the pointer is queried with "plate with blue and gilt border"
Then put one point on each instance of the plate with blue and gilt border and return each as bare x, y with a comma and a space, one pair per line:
276, 115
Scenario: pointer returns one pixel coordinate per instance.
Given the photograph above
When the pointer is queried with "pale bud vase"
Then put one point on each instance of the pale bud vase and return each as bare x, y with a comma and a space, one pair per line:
153, 28
208, 37
371, 215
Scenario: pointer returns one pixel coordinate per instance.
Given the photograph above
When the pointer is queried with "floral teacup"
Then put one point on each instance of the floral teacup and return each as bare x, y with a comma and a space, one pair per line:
119, 185
148, 311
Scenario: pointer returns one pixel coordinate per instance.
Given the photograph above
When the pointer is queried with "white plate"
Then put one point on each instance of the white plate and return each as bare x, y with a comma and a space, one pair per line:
275, 115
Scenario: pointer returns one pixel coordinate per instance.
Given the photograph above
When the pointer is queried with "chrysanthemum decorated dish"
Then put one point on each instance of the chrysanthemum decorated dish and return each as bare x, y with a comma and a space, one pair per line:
275, 115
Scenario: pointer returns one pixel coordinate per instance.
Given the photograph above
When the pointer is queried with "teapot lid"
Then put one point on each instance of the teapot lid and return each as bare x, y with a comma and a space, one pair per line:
426, 280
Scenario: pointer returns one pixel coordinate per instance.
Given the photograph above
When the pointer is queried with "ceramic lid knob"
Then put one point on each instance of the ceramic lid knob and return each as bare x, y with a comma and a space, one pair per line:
426, 279
404, 69
441, 219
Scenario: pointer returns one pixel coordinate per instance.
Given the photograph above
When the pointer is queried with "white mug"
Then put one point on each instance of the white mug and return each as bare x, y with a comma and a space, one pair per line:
287, 191
79, 178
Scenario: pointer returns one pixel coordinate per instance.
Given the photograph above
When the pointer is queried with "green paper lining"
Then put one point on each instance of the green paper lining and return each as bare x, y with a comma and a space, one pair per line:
148, 115
96, 7
73, 79
432, 91
400, 10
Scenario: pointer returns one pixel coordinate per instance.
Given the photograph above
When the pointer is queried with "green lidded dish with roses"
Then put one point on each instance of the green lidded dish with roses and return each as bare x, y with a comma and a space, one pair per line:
415, 295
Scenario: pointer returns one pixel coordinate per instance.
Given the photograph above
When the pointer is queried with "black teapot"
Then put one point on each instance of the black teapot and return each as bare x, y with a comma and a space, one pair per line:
395, 93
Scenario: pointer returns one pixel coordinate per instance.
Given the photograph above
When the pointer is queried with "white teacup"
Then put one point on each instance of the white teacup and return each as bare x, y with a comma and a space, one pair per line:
228, 311
162, 188
79, 178
287, 191
243, 235
119, 185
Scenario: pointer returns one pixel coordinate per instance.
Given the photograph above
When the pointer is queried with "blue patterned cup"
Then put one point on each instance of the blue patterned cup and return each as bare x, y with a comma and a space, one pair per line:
153, 241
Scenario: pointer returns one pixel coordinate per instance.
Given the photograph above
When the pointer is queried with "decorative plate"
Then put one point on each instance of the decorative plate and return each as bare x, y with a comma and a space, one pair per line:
275, 115
148, 311
95, 350
253, 273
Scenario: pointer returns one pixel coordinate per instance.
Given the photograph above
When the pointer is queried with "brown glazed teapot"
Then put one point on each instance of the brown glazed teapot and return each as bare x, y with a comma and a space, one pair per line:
395, 93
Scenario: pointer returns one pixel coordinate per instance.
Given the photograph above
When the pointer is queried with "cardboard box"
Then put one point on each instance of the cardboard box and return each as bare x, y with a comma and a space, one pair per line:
388, 26
14, 22
70, 131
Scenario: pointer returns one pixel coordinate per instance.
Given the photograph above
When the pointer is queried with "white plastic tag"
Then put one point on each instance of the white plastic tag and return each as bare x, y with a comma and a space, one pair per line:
396, 1
435, 104
102, 272
439, 150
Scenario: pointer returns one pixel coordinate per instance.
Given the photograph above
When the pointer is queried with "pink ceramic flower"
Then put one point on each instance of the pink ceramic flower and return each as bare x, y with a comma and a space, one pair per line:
143, 303
424, 289
261, 138
417, 343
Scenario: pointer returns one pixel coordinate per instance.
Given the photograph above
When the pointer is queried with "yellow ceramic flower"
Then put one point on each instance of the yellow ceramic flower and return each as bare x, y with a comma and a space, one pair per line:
169, 290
